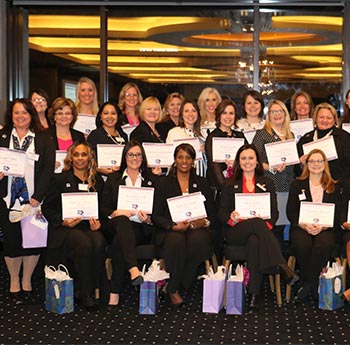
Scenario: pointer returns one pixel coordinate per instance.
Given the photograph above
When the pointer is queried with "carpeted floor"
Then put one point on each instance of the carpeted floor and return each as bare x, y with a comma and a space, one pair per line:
289, 324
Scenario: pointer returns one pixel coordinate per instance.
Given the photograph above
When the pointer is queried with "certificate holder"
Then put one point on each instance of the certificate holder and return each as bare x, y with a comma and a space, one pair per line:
12, 162
85, 123
301, 127
280, 152
109, 155
187, 207
84, 205
226, 148
60, 156
317, 213
192, 141
135, 199
252, 205
159, 155
327, 145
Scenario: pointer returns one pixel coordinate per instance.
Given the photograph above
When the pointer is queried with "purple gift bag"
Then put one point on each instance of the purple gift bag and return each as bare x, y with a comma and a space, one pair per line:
148, 298
235, 298
34, 231
213, 295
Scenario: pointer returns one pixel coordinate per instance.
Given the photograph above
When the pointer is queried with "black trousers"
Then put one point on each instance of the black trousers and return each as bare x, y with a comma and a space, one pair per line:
183, 252
125, 236
263, 249
312, 252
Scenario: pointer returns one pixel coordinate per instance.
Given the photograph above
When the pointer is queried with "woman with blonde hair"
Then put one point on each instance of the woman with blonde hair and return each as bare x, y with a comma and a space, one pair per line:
313, 243
130, 99
86, 97
207, 102
301, 106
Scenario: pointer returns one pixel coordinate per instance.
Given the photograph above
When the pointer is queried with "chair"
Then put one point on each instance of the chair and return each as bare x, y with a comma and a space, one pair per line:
238, 253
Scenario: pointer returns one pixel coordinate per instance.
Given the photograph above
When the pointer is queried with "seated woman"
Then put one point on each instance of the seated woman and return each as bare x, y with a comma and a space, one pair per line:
313, 243
126, 229
263, 250
184, 244
85, 246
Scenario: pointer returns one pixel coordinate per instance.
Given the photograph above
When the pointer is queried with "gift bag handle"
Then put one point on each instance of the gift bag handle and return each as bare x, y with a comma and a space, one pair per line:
65, 268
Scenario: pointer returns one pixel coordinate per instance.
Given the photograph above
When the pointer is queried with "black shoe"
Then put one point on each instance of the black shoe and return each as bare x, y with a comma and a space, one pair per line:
254, 302
288, 274
89, 303
303, 294
137, 281
16, 297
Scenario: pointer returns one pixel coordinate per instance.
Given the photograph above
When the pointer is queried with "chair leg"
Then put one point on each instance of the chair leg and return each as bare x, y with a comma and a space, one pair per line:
272, 282
207, 266
291, 264
278, 289
226, 263
345, 266
215, 262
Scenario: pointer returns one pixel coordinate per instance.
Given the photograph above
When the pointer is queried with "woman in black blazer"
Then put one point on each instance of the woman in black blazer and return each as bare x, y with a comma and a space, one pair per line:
23, 131
76, 240
126, 229
185, 244
263, 250
313, 243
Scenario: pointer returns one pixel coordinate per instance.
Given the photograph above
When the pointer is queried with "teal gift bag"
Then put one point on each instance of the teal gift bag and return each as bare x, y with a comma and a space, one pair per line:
330, 293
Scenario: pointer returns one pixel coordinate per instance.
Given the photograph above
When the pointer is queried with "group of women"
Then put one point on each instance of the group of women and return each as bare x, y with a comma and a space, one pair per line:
33, 126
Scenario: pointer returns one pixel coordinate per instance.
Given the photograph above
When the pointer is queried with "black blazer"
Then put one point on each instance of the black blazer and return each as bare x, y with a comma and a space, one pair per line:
299, 186
168, 188
100, 136
227, 204
143, 134
66, 182
164, 127
214, 170
76, 135
43, 167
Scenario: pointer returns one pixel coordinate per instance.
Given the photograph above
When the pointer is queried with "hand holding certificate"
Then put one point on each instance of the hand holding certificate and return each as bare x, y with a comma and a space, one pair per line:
280, 152
82, 205
317, 213
252, 205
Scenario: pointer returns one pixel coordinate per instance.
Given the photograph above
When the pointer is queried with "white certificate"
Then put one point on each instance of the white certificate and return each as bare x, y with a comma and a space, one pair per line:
301, 127
85, 123
252, 205
12, 162
187, 207
249, 135
159, 155
127, 129
135, 199
284, 151
317, 213
348, 219
192, 141
60, 156
109, 155
325, 144
226, 148
84, 205
346, 127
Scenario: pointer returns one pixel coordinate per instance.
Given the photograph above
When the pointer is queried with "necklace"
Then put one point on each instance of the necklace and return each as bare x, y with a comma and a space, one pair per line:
117, 139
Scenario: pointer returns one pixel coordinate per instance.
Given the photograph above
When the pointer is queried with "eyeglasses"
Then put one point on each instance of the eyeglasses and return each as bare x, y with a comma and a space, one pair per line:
130, 94
39, 100
63, 114
277, 112
314, 161
134, 155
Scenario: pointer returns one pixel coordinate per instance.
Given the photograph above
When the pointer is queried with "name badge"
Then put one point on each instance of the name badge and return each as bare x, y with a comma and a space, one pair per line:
302, 195
33, 156
83, 187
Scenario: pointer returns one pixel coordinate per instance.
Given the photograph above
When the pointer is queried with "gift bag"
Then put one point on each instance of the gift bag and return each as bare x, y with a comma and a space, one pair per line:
330, 292
34, 231
148, 298
59, 290
213, 295
235, 298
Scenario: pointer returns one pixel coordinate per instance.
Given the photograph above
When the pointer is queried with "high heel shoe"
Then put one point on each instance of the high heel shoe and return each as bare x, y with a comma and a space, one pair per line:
288, 274
137, 281
176, 300
254, 302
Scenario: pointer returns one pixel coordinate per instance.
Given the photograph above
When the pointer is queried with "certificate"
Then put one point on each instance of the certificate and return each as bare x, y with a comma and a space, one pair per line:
301, 127
128, 129
135, 199
187, 207
252, 205
60, 156
348, 219
109, 155
325, 144
226, 148
249, 135
192, 141
12, 162
317, 213
159, 155
85, 123
346, 127
284, 151
84, 205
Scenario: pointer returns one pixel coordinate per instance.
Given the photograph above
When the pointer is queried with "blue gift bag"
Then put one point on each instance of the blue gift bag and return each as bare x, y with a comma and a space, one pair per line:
148, 298
235, 298
59, 296
330, 292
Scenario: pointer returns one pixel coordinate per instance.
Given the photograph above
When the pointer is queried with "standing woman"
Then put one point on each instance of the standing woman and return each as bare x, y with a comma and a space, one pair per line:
346, 116
23, 131
185, 244
225, 117
146, 131
263, 251
325, 119
130, 99
41, 101
126, 229
76, 240
189, 127
301, 106
313, 243
171, 114
208, 100
86, 97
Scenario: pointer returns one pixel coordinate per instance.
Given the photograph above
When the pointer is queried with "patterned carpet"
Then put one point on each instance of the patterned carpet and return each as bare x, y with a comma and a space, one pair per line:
30, 323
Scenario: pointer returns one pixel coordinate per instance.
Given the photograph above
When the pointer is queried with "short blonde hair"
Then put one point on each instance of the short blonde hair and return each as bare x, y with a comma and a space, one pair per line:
77, 99
146, 103
325, 106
